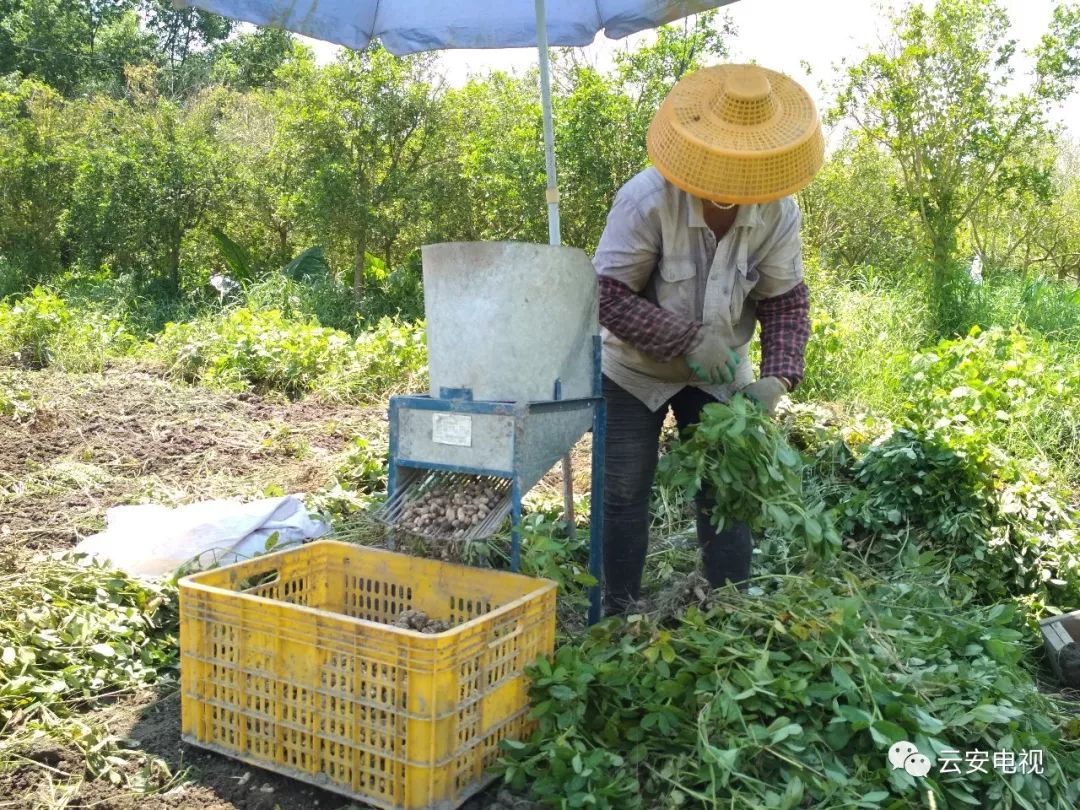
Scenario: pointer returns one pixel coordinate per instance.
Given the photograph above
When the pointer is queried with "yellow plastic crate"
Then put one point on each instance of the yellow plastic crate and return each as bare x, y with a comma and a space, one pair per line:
285, 664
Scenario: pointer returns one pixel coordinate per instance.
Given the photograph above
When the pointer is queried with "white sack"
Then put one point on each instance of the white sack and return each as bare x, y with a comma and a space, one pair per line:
151, 540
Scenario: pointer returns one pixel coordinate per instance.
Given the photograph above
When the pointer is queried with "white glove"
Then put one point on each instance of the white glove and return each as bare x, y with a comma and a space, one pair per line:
766, 392
711, 360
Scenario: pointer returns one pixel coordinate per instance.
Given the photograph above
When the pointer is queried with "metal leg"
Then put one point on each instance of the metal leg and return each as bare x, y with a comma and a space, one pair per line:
596, 518
392, 470
515, 525
391, 489
568, 496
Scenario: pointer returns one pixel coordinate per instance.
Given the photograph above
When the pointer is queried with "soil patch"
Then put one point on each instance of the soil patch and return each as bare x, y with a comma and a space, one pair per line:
129, 436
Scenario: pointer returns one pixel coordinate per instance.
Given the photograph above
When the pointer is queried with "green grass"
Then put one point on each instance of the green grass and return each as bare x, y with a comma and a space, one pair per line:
870, 335
1038, 303
864, 331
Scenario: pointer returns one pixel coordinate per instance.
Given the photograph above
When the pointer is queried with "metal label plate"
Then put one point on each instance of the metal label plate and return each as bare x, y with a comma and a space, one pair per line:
451, 428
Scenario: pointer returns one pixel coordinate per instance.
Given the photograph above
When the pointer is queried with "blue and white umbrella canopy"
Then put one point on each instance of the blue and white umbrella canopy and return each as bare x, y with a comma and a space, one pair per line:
409, 26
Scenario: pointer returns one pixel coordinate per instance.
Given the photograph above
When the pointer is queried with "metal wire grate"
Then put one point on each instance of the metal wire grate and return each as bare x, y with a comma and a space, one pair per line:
416, 487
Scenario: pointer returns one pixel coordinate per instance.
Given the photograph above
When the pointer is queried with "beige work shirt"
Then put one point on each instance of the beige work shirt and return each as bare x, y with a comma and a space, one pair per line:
657, 243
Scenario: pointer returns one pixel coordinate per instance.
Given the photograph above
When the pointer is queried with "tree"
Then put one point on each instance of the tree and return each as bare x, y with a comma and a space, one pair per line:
146, 175
601, 120
648, 73
251, 59
34, 178
363, 131
69, 45
1003, 222
184, 31
854, 213
186, 38
1056, 235
488, 181
938, 100
264, 206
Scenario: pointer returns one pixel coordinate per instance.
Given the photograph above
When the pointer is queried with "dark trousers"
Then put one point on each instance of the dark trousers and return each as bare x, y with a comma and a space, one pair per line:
630, 456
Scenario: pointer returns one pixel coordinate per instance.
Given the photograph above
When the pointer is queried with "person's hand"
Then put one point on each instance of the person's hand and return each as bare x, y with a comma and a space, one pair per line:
766, 392
712, 361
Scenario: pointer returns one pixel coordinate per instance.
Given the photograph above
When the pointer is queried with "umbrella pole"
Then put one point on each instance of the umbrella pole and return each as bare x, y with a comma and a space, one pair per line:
554, 236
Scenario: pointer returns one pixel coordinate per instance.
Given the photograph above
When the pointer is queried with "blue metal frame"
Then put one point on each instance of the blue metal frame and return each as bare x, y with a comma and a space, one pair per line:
459, 400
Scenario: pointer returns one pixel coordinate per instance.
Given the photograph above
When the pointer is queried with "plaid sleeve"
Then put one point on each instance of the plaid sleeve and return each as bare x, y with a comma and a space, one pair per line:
785, 330
657, 332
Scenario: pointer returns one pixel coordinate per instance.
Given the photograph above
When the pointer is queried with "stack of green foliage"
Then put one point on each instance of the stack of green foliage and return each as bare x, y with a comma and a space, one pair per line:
792, 699
977, 472
74, 633
957, 531
73, 630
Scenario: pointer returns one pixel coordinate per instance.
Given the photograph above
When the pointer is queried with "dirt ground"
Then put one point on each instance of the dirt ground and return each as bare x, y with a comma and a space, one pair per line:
128, 436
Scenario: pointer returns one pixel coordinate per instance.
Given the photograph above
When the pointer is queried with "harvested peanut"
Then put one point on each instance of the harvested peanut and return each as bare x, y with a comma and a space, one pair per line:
450, 511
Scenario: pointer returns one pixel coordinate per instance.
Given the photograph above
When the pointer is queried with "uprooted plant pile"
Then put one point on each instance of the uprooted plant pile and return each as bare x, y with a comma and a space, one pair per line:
792, 699
74, 630
75, 634
955, 537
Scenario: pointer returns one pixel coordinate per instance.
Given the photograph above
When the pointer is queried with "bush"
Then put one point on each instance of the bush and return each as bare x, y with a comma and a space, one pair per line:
41, 330
264, 350
267, 351
1008, 389
972, 473
143, 306
364, 470
323, 299
29, 327
863, 334
1008, 299
391, 358
918, 479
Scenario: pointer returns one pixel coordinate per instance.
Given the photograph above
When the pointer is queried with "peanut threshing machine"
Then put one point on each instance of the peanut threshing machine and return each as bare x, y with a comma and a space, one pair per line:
514, 356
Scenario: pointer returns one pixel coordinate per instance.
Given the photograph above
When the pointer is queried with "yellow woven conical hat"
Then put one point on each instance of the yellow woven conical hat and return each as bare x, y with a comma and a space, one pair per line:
737, 134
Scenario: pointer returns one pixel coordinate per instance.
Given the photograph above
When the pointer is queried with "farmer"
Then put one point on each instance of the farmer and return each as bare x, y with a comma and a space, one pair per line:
696, 251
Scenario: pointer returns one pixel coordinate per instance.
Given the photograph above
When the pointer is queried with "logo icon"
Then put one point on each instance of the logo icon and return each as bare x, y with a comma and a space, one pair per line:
905, 755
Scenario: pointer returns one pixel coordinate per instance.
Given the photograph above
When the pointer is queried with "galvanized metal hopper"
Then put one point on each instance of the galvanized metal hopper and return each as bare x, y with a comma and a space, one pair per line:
514, 355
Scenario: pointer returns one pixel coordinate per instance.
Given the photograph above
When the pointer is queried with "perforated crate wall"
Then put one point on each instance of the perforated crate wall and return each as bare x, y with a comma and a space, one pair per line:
286, 663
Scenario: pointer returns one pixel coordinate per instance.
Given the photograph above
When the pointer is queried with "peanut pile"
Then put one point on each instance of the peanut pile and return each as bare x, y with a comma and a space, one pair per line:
445, 511
418, 620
